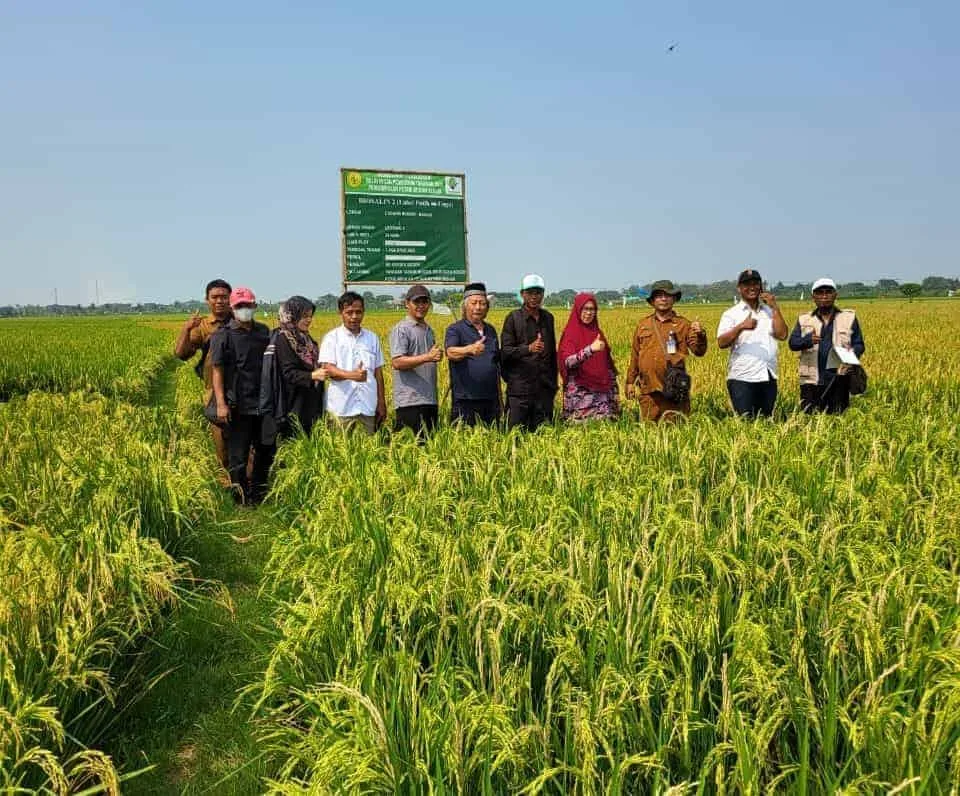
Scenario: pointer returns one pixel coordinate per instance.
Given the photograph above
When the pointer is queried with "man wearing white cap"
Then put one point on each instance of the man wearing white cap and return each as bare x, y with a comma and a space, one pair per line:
823, 388
529, 358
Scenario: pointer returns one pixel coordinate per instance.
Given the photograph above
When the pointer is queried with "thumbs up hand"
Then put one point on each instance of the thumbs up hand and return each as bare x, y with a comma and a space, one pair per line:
598, 345
537, 346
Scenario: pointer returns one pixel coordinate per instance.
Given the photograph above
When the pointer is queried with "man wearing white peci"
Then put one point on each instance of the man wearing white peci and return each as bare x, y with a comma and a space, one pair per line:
354, 361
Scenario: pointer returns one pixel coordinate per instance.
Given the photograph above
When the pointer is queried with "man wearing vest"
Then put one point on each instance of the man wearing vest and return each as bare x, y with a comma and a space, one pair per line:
824, 387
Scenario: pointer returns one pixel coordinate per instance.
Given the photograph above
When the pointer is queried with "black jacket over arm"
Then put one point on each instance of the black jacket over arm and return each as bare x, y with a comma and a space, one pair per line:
304, 396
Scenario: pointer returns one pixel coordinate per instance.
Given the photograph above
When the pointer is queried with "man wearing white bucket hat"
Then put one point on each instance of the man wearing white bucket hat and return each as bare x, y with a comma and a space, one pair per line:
528, 354
825, 387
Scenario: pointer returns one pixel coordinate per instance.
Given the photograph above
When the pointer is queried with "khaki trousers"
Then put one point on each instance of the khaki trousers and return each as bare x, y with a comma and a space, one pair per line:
653, 406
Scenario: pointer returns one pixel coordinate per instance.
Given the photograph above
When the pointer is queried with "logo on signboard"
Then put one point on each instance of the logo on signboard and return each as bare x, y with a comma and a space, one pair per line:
452, 185
354, 179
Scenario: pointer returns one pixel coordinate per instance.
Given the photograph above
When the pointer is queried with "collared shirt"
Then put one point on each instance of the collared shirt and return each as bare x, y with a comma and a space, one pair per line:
348, 351
524, 372
474, 378
239, 352
648, 356
753, 355
199, 335
418, 386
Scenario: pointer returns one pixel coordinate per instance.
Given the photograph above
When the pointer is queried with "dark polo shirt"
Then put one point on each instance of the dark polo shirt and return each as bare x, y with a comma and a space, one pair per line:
474, 378
240, 353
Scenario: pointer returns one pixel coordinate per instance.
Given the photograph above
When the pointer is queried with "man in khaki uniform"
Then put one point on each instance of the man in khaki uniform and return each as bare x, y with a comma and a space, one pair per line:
195, 336
661, 337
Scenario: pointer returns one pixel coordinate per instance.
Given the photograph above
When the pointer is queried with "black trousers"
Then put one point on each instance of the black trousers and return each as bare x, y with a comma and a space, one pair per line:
420, 419
470, 412
245, 433
832, 397
753, 398
530, 411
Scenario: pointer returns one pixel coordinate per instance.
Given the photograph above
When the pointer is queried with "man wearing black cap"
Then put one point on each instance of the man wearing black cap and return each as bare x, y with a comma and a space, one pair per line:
414, 355
473, 352
751, 329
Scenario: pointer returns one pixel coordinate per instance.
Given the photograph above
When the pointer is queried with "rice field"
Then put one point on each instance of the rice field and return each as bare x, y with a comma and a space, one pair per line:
95, 496
116, 357
718, 606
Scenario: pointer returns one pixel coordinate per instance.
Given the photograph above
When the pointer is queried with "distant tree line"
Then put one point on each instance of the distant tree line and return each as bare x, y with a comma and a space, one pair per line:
723, 292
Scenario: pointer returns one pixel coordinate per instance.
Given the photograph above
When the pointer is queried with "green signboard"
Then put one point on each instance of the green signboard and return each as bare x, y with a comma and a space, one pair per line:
403, 227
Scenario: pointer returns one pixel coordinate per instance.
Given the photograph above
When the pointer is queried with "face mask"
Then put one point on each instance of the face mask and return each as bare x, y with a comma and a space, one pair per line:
243, 314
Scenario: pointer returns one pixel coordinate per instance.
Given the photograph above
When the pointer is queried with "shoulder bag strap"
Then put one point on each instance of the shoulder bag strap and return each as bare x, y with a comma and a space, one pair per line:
656, 331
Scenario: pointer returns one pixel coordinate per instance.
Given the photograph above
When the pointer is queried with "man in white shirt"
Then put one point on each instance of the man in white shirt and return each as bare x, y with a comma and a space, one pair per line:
751, 329
354, 362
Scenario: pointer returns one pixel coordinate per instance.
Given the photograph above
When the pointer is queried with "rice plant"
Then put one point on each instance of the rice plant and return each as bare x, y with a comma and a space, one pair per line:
719, 606
93, 495
716, 606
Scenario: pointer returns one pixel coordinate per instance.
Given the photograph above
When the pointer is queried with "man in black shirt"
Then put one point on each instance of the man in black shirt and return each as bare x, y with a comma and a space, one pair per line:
529, 358
236, 355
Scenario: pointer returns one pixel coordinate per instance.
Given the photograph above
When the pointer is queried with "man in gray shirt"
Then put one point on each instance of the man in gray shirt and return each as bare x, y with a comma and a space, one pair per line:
414, 355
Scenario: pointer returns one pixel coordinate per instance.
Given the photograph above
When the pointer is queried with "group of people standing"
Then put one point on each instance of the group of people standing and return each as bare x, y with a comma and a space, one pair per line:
261, 385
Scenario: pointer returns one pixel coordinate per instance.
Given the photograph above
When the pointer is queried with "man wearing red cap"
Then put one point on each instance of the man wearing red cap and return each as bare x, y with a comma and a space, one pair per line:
236, 353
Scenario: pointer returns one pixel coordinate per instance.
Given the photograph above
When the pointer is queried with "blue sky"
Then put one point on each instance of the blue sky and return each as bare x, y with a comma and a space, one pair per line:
146, 150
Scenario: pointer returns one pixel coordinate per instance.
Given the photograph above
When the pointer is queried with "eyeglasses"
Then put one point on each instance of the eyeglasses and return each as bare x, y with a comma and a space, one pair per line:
588, 309
421, 300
